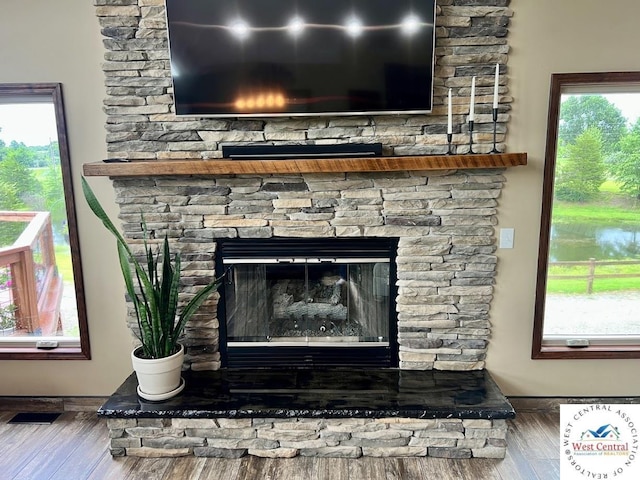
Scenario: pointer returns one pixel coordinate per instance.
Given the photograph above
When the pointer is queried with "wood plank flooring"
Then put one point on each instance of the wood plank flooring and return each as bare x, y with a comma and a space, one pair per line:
74, 447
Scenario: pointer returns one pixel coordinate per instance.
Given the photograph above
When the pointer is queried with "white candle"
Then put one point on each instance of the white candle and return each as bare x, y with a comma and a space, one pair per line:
449, 116
473, 94
495, 86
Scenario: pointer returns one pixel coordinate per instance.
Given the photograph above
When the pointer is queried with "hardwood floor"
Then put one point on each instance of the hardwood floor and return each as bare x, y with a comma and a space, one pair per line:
74, 447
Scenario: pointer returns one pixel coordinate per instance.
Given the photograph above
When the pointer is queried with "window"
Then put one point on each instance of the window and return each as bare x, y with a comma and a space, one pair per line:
42, 311
588, 291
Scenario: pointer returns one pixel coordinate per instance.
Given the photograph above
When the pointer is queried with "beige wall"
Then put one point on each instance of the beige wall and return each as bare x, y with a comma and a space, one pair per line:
547, 36
550, 36
60, 41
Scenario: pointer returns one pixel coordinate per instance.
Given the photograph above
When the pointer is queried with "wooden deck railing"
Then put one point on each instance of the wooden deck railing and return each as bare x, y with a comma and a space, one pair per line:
36, 286
592, 263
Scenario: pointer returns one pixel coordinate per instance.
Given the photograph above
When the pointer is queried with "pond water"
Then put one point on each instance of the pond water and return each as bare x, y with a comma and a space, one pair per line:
577, 242
601, 314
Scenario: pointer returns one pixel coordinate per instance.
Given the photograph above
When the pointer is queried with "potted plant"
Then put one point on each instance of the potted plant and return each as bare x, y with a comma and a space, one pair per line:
8, 310
7, 319
154, 293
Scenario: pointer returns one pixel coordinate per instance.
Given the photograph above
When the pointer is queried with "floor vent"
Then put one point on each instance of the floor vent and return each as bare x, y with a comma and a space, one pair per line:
35, 418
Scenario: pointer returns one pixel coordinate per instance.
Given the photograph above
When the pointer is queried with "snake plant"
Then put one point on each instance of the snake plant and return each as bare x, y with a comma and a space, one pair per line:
155, 301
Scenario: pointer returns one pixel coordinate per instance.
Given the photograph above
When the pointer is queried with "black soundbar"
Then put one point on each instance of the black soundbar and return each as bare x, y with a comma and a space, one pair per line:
282, 152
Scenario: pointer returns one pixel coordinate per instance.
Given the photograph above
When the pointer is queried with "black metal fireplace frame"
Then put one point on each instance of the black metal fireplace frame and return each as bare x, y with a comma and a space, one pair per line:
310, 356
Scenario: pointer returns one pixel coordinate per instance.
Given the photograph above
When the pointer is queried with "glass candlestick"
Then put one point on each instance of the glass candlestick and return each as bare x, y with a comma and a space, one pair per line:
449, 138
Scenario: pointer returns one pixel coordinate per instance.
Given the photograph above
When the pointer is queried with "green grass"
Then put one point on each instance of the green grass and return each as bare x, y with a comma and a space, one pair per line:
604, 285
596, 214
600, 285
612, 208
63, 261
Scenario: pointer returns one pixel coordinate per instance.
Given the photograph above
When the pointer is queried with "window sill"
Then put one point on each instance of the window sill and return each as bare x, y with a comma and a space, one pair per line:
602, 352
24, 348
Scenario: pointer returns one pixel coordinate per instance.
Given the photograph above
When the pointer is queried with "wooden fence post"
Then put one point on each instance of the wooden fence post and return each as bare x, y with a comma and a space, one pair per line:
592, 274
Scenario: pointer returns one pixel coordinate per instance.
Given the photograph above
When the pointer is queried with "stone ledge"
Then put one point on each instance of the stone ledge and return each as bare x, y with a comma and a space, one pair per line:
336, 393
322, 413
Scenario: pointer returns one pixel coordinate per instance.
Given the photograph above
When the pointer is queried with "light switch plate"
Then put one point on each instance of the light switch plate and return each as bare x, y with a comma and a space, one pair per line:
506, 237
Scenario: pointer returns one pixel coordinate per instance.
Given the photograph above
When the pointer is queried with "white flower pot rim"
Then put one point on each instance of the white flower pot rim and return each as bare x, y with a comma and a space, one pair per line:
139, 349
158, 376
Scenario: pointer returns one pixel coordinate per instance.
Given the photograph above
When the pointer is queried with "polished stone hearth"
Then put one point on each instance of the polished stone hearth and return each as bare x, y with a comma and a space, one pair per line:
338, 393
339, 412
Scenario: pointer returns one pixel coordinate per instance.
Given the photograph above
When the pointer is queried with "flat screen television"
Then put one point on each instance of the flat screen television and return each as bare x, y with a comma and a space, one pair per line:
234, 58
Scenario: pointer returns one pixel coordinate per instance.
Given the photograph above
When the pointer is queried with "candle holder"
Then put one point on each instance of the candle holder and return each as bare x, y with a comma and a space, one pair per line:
471, 137
449, 138
495, 127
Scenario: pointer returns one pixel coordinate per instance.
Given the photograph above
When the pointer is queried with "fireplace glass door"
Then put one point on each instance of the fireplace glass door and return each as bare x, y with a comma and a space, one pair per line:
303, 311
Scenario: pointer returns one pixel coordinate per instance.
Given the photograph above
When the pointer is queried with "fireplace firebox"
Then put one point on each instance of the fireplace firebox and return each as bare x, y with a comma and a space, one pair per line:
303, 303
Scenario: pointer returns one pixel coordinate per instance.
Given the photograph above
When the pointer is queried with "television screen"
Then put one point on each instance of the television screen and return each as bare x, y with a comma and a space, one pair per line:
301, 57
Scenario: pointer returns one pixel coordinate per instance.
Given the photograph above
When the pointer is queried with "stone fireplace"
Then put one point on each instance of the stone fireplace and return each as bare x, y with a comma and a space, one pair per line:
441, 223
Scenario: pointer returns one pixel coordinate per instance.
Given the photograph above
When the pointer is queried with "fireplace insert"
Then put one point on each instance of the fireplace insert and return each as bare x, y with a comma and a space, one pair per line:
307, 303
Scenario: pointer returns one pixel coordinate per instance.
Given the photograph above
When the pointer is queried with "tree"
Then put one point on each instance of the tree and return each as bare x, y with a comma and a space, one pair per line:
581, 173
53, 193
581, 112
14, 172
45, 155
10, 201
19, 190
24, 154
626, 165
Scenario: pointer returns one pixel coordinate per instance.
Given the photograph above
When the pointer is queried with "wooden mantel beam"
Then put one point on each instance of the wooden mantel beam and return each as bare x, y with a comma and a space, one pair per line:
294, 166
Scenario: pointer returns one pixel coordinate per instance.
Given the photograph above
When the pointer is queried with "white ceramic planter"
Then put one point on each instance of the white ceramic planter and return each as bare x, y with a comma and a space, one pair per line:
5, 332
159, 379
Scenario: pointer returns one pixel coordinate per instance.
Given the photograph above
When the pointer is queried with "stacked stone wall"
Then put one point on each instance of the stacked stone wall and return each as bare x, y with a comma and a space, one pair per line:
446, 259
286, 438
471, 37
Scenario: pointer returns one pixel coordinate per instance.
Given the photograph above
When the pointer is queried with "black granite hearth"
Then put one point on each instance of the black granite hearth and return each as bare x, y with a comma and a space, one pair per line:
337, 393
